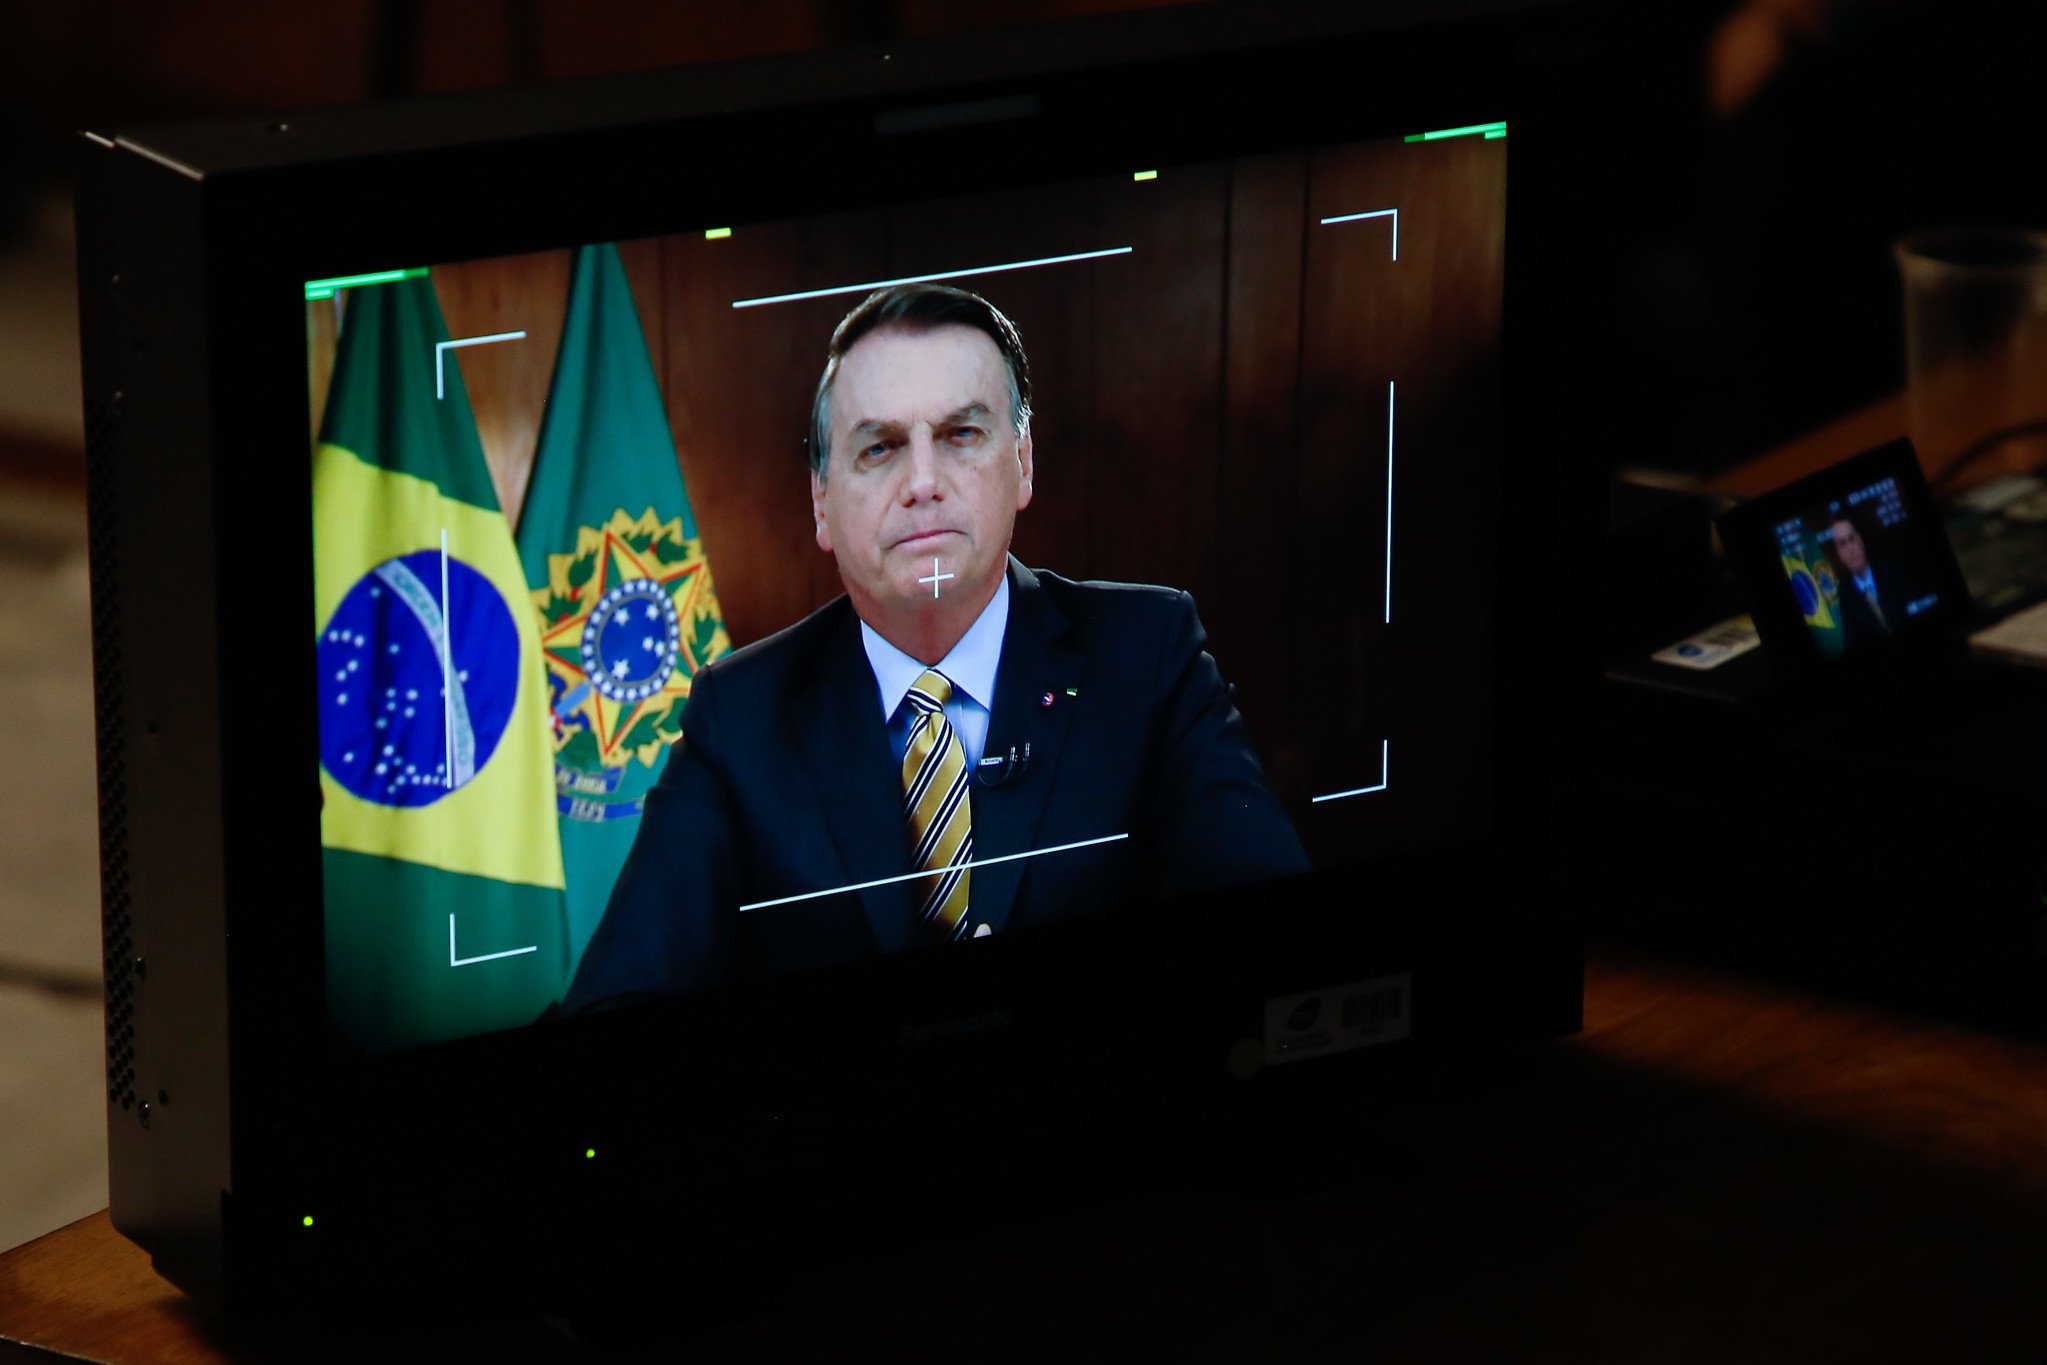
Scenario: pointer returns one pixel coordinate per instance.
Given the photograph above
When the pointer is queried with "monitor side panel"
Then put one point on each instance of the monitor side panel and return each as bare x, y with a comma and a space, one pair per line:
156, 613
1513, 966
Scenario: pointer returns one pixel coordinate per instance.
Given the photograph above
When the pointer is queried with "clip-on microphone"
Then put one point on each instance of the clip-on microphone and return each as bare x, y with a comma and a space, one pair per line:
996, 769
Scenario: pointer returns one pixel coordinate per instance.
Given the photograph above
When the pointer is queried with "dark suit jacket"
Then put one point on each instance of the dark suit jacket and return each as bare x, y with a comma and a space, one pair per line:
784, 783
1858, 622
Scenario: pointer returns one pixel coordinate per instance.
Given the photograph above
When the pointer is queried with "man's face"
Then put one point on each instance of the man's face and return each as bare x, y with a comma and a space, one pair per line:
925, 464
1848, 545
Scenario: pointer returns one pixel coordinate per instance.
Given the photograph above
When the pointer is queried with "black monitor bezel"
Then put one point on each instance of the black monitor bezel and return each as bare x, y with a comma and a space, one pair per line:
250, 216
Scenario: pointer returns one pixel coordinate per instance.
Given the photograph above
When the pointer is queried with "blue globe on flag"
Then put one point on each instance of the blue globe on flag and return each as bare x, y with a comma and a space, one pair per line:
631, 641
415, 692
1808, 595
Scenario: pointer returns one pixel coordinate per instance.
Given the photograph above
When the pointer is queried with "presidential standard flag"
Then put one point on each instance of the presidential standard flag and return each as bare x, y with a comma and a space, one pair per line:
626, 611
442, 873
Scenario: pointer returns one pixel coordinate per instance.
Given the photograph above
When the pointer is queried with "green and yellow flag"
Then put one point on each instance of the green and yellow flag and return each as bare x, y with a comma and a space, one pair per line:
442, 873
621, 590
1812, 582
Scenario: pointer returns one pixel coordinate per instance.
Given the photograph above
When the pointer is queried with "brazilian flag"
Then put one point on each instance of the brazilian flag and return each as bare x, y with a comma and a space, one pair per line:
1812, 582
619, 584
442, 875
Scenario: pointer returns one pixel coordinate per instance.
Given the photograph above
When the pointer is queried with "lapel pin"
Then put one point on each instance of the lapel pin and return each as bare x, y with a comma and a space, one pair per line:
1045, 700
1073, 691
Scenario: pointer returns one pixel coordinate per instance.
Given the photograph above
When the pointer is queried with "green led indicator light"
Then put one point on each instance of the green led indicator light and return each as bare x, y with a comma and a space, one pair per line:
1145, 175
1469, 130
589, 1154
324, 289
306, 1221
716, 234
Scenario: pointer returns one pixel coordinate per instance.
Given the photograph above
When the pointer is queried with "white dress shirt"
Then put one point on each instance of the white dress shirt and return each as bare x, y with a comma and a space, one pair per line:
971, 665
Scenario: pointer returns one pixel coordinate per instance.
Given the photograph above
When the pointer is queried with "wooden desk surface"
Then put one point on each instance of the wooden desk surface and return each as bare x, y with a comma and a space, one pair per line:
1716, 1169
1862, 430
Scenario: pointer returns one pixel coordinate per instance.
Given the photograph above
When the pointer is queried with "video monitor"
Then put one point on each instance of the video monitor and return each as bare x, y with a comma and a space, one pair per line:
657, 637
1848, 566
766, 596
1828, 548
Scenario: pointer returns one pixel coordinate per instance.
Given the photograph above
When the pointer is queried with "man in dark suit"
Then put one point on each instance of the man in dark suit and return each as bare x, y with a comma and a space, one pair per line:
1872, 606
959, 746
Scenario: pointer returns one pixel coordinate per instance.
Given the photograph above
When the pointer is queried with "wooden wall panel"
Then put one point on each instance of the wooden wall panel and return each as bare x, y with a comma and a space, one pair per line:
1258, 476
1053, 308
323, 332
1363, 312
739, 385
1158, 382
1428, 323
507, 381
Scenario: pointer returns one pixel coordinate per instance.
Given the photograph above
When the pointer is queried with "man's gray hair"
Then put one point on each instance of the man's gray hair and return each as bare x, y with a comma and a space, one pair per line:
919, 307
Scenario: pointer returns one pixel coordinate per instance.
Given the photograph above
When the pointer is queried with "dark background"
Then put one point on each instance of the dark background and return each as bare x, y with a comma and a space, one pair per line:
1764, 153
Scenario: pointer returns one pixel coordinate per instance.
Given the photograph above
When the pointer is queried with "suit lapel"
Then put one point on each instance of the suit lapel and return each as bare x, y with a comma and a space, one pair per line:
1036, 660
846, 748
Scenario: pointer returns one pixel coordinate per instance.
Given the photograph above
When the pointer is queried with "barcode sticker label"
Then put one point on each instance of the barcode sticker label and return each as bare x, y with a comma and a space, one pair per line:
1336, 1018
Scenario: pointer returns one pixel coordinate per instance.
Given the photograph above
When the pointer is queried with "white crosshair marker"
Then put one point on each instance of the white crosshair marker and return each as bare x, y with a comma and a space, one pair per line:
936, 577
441, 349
454, 960
1394, 214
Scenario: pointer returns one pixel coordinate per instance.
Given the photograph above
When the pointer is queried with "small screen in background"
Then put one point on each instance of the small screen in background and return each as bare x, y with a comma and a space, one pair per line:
1857, 567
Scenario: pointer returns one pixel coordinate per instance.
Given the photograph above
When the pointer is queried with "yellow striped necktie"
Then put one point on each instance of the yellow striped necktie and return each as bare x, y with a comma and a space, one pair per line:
937, 806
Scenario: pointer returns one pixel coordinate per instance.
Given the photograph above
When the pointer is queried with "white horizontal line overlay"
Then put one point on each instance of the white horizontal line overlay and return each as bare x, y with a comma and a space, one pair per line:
441, 349
873, 285
454, 961
1361, 791
1394, 214
935, 871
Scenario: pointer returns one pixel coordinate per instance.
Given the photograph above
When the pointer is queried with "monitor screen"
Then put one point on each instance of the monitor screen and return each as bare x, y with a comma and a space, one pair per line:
1209, 610
1848, 571
1856, 565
